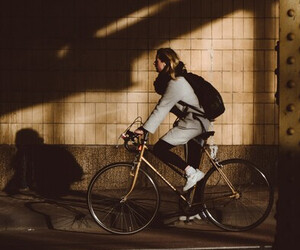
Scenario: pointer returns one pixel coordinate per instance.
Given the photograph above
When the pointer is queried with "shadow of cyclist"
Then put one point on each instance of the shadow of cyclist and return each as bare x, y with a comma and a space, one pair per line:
48, 170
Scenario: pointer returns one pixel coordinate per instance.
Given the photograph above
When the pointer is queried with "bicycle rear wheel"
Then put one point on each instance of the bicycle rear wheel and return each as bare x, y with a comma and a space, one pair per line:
105, 193
246, 210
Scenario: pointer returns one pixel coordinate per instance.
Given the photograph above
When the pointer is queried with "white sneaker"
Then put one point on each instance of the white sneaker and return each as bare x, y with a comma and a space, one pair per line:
193, 179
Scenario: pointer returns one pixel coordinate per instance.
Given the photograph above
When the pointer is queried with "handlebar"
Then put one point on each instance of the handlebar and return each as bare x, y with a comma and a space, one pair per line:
132, 141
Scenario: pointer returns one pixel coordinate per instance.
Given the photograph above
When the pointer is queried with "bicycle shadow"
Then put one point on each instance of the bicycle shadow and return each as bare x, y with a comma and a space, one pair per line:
48, 170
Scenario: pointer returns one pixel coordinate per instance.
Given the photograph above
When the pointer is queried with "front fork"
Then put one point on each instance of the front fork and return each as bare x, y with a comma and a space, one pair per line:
135, 170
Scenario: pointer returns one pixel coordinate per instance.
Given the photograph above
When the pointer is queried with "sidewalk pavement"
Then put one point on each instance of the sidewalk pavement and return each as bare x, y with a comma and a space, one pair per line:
28, 212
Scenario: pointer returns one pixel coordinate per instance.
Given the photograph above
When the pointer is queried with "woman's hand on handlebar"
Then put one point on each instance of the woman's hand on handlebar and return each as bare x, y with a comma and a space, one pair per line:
140, 131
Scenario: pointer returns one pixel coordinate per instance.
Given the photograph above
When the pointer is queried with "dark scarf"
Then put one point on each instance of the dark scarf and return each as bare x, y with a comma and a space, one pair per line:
162, 80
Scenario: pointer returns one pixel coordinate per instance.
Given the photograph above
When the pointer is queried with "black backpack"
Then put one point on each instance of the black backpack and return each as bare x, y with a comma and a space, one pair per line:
208, 96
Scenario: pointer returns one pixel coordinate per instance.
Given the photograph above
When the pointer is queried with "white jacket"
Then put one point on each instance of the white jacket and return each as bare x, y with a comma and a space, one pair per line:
188, 127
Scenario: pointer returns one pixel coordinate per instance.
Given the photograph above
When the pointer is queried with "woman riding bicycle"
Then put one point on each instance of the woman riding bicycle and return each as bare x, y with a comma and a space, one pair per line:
173, 87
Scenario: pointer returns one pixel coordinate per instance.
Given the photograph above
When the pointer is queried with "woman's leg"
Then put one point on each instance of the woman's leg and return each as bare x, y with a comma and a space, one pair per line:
162, 151
193, 153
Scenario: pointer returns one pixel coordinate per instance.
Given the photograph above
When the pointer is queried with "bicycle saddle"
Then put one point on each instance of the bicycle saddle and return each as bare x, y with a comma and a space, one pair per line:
204, 136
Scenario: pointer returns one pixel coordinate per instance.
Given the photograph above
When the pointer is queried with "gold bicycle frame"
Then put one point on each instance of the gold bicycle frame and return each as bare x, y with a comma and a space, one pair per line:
142, 159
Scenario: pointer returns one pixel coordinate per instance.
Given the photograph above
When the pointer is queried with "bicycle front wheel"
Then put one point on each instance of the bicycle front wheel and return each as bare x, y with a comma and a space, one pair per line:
243, 211
107, 206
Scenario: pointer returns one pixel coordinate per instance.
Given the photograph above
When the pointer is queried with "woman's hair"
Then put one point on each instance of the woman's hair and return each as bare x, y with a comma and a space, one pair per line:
172, 61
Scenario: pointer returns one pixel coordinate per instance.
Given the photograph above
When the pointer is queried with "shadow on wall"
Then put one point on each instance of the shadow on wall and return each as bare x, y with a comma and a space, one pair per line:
49, 170
51, 49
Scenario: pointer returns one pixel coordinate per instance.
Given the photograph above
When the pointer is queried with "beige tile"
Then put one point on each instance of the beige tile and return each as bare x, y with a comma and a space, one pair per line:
90, 134
5, 134
248, 113
206, 29
90, 113
101, 112
248, 82
217, 139
270, 135
227, 31
180, 44
206, 60
122, 112
270, 60
196, 60
227, 82
79, 109
58, 112
259, 80
237, 113
48, 133
269, 113
228, 115
27, 115
259, 113
69, 112
132, 112
37, 113
137, 97
201, 44
237, 134
238, 60
259, 135
270, 82
111, 115
111, 134
260, 28
227, 60
238, 28
70, 133
248, 134
264, 98
95, 96
221, 44
217, 60
143, 110
217, 29
227, 134
217, 80
243, 97
58, 134
249, 28
80, 135
259, 60
100, 130
249, 60
116, 97
185, 56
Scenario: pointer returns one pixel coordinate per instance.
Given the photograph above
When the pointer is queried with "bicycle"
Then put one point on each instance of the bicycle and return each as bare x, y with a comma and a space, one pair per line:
123, 198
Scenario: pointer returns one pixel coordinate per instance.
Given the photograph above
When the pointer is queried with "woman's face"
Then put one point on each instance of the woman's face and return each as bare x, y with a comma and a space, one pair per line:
159, 65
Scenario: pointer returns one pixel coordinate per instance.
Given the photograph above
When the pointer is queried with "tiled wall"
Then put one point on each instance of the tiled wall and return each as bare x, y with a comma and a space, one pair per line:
78, 72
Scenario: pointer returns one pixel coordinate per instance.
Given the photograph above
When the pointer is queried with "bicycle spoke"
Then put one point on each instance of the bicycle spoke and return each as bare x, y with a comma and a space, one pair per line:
243, 211
122, 216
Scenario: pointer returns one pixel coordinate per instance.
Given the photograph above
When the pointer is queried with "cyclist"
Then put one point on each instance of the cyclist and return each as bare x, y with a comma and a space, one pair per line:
173, 88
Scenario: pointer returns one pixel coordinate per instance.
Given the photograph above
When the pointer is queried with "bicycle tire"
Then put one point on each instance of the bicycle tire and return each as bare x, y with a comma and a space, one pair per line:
105, 193
241, 213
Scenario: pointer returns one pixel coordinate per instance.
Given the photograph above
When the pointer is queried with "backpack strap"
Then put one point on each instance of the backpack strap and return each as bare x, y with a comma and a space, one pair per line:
195, 115
201, 113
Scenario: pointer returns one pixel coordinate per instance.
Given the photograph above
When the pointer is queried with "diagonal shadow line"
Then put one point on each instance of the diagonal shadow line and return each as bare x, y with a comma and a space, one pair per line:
88, 32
